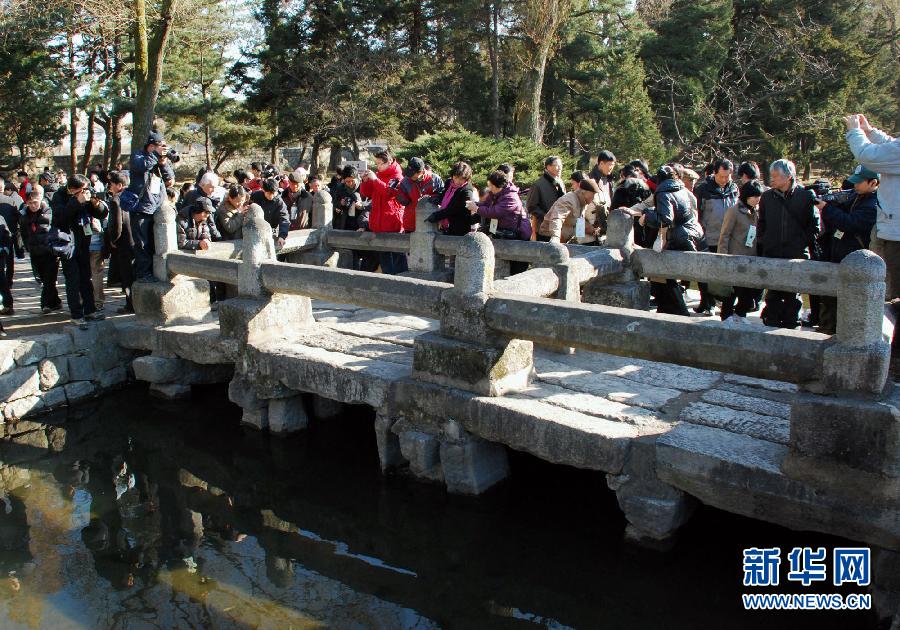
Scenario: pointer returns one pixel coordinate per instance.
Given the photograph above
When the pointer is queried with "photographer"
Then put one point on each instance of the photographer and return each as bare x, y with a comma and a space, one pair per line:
118, 236
851, 218
149, 173
273, 208
76, 212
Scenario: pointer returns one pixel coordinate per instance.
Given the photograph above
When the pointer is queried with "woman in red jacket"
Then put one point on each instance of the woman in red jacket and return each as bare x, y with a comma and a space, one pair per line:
386, 214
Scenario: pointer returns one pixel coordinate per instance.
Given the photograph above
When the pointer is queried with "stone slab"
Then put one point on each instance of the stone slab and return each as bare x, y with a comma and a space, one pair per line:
746, 422
19, 383
53, 372
79, 390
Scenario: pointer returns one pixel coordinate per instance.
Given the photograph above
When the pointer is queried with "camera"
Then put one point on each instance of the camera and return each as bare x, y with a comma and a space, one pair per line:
824, 192
173, 156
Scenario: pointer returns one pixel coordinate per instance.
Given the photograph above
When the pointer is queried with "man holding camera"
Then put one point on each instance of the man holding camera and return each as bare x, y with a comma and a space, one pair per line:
77, 215
851, 217
149, 173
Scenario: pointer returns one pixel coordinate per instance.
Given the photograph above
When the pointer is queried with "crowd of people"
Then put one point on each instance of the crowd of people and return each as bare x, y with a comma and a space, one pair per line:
84, 224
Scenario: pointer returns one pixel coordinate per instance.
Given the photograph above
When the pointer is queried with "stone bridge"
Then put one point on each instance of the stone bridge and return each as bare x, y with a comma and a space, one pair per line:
562, 361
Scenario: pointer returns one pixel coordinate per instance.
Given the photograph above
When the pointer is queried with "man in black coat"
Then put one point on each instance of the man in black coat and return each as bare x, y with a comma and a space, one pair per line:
787, 226
544, 193
119, 240
274, 209
77, 213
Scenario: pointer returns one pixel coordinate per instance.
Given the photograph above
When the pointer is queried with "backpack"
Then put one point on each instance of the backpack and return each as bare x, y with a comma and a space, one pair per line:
61, 243
129, 200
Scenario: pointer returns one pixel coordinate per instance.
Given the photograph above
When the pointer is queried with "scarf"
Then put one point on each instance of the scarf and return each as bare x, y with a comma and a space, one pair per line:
448, 194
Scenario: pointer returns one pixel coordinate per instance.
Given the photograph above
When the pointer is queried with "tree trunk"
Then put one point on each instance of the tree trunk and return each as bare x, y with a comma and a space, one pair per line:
334, 160
493, 50
107, 144
542, 21
149, 56
73, 110
207, 145
115, 149
314, 155
89, 142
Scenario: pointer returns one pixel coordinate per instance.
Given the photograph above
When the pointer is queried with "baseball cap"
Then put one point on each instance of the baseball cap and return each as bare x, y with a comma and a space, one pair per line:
862, 174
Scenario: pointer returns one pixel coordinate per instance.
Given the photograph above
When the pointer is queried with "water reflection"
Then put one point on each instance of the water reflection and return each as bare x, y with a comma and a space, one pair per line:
172, 516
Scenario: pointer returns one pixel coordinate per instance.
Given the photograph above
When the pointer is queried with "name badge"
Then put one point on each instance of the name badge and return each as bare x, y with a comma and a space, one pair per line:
352, 212
87, 229
155, 185
751, 236
838, 234
579, 227
493, 227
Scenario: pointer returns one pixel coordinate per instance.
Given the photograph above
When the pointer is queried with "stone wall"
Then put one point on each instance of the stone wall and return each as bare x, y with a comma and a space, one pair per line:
48, 371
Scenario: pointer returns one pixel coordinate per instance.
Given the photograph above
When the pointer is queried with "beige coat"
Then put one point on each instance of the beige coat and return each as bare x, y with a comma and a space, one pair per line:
735, 226
559, 222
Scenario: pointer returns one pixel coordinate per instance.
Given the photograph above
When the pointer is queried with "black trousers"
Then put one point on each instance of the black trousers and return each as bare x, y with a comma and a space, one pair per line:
5, 281
669, 298
79, 288
782, 309
745, 299
142, 235
46, 266
123, 256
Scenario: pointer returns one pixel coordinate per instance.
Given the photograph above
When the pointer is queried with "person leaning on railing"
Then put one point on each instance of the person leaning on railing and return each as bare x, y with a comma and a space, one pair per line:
230, 215
679, 230
567, 219
453, 202
504, 215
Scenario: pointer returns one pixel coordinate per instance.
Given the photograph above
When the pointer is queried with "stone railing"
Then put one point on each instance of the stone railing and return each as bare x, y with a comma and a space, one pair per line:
477, 310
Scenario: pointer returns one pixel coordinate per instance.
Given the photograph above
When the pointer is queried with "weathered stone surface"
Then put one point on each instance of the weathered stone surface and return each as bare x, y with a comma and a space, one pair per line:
259, 319
645, 420
22, 407
19, 383
56, 344
341, 377
96, 332
655, 510
200, 342
856, 368
55, 397
611, 387
29, 352
324, 337
472, 465
53, 372
155, 369
81, 368
488, 370
422, 451
524, 424
136, 335
741, 402
181, 301
242, 393
381, 332
389, 453
170, 391
746, 422
861, 434
287, 415
386, 318
79, 390
105, 356
651, 373
113, 377
634, 295
744, 475
7, 355
56, 438
763, 383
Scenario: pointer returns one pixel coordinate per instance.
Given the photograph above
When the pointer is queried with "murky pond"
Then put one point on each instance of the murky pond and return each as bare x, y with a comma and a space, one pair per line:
162, 515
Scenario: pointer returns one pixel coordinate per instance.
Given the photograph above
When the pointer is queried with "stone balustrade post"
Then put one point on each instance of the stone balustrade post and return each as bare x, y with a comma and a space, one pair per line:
321, 220
256, 315
466, 354
627, 290
620, 233
859, 360
169, 299
422, 257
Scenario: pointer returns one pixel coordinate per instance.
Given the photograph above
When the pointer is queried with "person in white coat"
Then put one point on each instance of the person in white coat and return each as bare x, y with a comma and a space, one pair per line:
880, 152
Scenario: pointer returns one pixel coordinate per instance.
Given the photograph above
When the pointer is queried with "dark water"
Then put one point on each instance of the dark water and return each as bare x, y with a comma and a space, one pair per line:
158, 515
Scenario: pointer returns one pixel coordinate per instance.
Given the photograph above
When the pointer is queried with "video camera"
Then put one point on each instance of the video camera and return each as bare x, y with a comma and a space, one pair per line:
823, 191
173, 156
